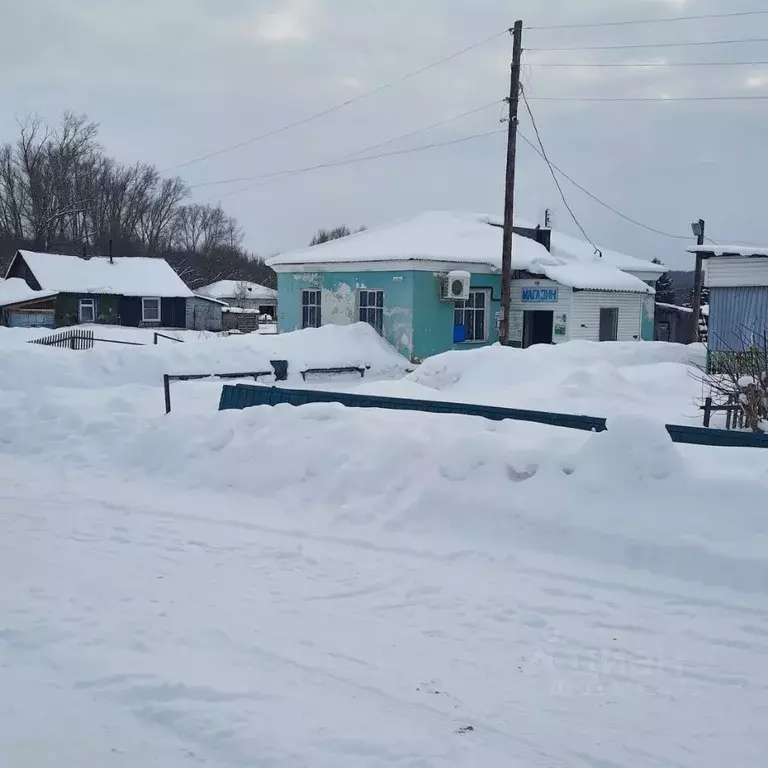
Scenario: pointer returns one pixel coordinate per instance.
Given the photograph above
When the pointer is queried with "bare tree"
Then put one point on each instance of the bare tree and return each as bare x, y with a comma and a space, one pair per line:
739, 375
59, 190
326, 235
242, 295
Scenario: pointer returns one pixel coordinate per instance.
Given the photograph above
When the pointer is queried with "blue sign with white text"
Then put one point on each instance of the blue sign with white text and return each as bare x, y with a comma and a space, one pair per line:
530, 295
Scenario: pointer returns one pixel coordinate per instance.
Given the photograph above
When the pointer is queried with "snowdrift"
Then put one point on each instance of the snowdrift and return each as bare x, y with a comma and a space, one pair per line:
30, 366
596, 379
349, 588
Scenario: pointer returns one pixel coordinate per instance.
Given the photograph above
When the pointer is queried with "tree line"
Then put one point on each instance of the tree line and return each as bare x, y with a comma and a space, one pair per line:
61, 192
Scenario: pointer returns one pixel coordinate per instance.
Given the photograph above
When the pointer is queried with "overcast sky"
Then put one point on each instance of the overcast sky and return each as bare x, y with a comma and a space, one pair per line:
172, 80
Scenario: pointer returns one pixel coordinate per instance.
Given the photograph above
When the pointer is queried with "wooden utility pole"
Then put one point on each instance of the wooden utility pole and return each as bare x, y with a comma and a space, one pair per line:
698, 284
509, 198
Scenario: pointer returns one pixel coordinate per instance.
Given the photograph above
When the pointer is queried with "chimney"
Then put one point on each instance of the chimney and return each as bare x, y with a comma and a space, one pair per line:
85, 253
111, 260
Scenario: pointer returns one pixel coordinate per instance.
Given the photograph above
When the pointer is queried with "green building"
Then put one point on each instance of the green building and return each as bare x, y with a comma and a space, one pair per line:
433, 283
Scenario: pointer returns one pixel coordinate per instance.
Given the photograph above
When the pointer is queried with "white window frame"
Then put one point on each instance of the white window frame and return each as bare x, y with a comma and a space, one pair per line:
370, 308
313, 319
144, 318
89, 303
461, 307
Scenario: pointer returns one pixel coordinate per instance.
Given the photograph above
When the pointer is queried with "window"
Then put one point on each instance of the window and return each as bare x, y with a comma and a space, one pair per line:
310, 309
150, 310
609, 324
472, 315
372, 309
87, 311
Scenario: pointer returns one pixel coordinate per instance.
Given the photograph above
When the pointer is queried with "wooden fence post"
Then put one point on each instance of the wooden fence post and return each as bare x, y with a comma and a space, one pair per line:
167, 388
707, 411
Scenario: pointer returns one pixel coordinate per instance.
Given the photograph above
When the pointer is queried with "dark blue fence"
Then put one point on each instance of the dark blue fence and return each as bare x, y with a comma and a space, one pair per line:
240, 396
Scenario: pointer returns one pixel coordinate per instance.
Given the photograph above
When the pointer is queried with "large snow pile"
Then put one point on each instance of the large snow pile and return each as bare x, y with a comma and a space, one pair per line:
632, 450
31, 366
598, 379
348, 588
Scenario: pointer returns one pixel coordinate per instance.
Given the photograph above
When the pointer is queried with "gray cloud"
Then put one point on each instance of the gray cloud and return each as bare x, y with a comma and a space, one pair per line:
173, 80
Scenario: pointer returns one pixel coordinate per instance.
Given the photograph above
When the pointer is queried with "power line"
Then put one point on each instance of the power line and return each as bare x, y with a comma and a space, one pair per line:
594, 197
543, 153
654, 45
589, 25
418, 131
647, 98
344, 158
349, 161
337, 107
664, 64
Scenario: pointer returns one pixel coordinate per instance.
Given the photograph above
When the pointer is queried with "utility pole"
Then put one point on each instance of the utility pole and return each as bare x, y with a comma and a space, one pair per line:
698, 230
509, 197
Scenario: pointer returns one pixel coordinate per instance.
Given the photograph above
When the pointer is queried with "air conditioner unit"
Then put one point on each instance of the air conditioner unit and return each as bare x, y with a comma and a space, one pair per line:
455, 286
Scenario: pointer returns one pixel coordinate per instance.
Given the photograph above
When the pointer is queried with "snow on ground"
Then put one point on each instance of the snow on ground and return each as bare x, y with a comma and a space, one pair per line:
335, 587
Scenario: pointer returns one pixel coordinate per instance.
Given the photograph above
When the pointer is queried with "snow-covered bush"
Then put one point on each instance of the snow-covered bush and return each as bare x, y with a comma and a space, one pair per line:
742, 377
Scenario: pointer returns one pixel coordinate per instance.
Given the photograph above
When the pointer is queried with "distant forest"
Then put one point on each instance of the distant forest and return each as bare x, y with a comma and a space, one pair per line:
682, 287
61, 192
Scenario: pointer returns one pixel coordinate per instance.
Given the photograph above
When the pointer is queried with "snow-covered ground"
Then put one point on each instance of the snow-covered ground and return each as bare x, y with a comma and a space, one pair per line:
332, 587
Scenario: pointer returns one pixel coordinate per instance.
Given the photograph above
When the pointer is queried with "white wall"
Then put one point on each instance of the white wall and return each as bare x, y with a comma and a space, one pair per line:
736, 271
585, 323
561, 307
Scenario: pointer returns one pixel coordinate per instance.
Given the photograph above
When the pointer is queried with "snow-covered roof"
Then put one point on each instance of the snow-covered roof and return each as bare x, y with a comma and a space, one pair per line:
730, 250
572, 246
471, 239
124, 276
230, 290
209, 299
676, 307
595, 277
15, 291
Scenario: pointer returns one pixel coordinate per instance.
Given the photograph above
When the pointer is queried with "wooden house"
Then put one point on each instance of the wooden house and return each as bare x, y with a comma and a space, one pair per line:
130, 291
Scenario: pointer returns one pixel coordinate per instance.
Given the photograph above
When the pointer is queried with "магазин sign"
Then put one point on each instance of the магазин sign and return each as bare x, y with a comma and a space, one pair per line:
530, 295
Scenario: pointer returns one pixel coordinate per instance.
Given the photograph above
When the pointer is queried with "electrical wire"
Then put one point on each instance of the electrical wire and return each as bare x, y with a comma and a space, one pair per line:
543, 153
589, 25
340, 106
418, 131
654, 45
665, 64
349, 161
594, 197
647, 98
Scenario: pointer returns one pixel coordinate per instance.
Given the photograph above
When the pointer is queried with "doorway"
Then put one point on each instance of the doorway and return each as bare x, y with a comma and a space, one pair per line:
537, 328
609, 324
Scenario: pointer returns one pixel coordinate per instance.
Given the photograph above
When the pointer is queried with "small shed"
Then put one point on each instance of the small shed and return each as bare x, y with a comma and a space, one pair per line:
23, 307
737, 278
673, 323
204, 313
239, 319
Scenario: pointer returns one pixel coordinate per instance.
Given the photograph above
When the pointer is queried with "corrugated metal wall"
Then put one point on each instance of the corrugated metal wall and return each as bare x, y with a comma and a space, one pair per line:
733, 271
586, 314
738, 317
